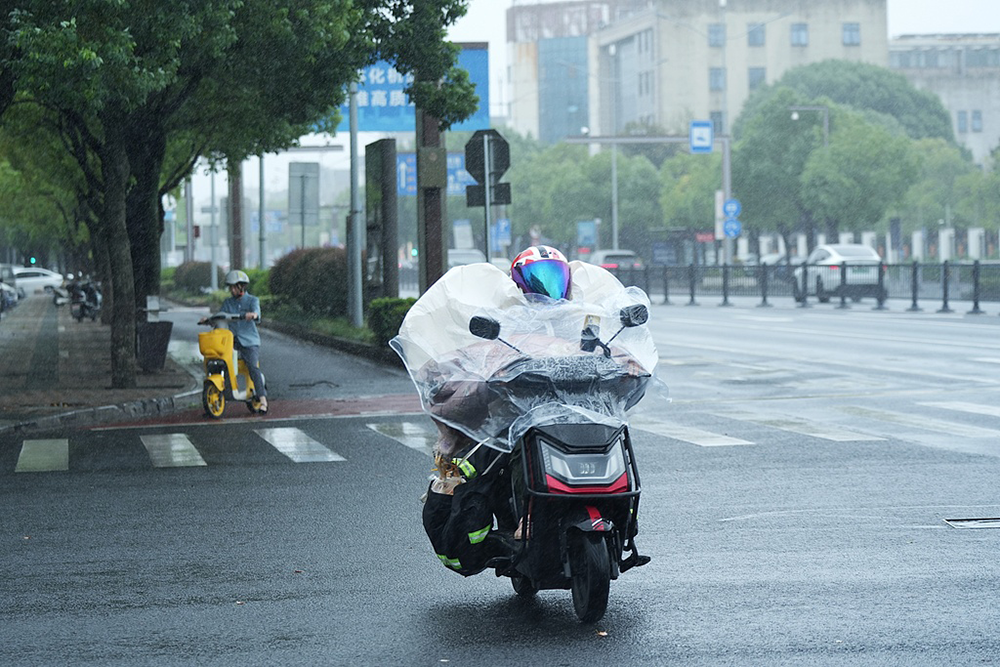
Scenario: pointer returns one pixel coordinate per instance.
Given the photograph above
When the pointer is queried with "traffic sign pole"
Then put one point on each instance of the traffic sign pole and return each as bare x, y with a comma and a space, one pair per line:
488, 169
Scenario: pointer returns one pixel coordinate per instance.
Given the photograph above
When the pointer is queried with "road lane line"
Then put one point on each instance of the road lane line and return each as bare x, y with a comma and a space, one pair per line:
802, 427
973, 408
297, 446
415, 435
43, 456
926, 423
171, 450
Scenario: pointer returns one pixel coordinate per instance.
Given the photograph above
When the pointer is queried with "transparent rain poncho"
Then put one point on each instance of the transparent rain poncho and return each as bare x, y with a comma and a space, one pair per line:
537, 371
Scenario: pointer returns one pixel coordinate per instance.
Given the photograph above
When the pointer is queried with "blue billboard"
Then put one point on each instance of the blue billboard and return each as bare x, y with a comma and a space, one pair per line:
384, 107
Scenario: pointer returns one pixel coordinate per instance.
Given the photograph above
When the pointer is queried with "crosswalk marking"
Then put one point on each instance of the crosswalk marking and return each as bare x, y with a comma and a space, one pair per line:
297, 446
974, 408
43, 456
926, 423
695, 436
171, 450
420, 436
801, 426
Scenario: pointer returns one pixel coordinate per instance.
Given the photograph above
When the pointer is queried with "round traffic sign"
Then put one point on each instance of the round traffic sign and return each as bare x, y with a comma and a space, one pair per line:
732, 228
732, 209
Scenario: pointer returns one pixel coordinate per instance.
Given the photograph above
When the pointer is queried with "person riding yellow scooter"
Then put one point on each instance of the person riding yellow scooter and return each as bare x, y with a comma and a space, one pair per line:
242, 311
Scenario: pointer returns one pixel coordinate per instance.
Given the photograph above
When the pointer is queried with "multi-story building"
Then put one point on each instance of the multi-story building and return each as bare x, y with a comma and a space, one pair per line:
964, 71
548, 70
667, 62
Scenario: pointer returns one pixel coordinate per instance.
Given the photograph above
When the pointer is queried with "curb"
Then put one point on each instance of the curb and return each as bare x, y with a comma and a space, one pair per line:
131, 410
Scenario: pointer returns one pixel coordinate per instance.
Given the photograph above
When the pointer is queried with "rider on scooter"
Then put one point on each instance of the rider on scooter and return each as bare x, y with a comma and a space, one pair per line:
246, 338
457, 515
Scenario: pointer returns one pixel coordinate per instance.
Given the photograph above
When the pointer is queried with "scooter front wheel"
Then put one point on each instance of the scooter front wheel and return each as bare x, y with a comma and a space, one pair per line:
590, 565
523, 586
213, 400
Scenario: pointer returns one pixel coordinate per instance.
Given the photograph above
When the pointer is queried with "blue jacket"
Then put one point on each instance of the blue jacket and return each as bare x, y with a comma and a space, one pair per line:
245, 332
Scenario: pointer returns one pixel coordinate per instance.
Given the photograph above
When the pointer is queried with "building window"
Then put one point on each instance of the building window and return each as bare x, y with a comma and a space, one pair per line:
757, 77
755, 34
963, 122
717, 78
977, 121
716, 118
852, 34
800, 34
717, 35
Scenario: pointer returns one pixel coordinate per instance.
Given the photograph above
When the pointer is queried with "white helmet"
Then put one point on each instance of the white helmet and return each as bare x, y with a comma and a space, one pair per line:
235, 277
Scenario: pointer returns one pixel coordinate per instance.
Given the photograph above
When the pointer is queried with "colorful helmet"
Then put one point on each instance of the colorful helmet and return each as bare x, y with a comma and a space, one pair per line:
236, 277
542, 269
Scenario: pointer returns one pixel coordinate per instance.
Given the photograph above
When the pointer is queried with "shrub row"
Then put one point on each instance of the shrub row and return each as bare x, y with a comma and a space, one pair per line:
313, 279
193, 276
385, 316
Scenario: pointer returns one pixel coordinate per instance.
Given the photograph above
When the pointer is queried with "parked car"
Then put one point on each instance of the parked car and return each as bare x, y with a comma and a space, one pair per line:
8, 297
615, 259
783, 265
823, 273
460, 256
34, 279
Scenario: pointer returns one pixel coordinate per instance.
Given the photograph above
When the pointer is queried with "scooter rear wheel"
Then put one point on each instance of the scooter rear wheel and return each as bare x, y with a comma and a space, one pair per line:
590, 564
213, 400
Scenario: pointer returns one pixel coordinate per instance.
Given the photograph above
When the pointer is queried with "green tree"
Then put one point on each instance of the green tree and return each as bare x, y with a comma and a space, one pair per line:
853, 183
933, 195
132, 82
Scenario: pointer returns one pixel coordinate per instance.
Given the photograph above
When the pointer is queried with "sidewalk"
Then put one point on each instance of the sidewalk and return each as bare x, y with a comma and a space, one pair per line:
56, 372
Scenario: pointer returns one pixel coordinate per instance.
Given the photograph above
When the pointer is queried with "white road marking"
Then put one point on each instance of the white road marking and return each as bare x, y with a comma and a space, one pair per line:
926, 423
695, 436
298, 446
171, 450
43, 456
801, 426
420, 436
974, 408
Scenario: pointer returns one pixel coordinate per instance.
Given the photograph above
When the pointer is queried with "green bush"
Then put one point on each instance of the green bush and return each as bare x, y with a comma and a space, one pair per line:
385, 317
258, 282
313, 279
193, 276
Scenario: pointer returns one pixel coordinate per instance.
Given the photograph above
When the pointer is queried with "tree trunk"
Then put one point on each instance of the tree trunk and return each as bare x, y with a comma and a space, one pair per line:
115, 170
144, 213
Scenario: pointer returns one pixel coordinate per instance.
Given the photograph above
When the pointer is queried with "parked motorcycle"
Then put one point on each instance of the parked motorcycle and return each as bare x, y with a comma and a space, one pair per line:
539, 398
85, 300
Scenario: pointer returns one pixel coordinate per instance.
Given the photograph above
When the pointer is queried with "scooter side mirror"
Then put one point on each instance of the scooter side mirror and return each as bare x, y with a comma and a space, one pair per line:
484, 327
634, 315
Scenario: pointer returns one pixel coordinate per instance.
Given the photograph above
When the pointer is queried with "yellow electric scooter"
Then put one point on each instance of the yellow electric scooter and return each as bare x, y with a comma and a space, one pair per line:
220, 381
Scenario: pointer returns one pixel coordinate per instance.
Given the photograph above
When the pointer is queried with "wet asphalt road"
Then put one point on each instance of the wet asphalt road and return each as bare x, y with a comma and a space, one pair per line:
792, 515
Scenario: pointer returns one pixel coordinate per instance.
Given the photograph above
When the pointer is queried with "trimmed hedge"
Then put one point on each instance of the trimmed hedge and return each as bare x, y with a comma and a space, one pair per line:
313, 279
385, 317
193, 276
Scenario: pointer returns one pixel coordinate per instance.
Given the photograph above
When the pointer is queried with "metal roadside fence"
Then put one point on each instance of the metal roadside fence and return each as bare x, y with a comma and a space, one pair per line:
916, 283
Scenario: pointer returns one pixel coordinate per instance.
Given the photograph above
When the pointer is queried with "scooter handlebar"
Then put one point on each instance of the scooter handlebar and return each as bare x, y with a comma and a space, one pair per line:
212, 319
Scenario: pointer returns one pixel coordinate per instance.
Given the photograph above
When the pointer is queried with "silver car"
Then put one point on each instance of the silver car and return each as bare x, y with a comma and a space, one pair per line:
825, 277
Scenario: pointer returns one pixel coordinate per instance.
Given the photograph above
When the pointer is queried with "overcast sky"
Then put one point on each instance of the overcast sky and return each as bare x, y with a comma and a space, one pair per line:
486, 22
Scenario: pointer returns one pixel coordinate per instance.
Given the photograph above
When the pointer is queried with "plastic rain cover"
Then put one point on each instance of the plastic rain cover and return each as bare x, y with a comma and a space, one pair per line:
536, 372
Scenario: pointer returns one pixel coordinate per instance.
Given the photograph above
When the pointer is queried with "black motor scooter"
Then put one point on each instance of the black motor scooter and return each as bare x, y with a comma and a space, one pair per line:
568, 493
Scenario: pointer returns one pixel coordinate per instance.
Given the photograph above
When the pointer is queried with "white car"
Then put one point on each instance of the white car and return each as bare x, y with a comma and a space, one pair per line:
36, 279
461, 256
825, 279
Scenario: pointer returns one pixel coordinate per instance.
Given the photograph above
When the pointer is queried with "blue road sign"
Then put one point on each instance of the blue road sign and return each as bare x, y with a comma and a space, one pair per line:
701, 136
732, 227
406, 175
732, 209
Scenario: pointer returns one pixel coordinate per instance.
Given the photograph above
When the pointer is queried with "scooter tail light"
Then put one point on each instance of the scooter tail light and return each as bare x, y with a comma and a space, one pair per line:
556, 486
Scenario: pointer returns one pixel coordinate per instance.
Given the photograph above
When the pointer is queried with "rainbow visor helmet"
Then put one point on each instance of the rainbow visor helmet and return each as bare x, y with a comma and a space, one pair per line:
542, 269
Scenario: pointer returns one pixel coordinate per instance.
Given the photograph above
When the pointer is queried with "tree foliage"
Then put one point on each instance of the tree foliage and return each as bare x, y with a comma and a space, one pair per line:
139, 89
